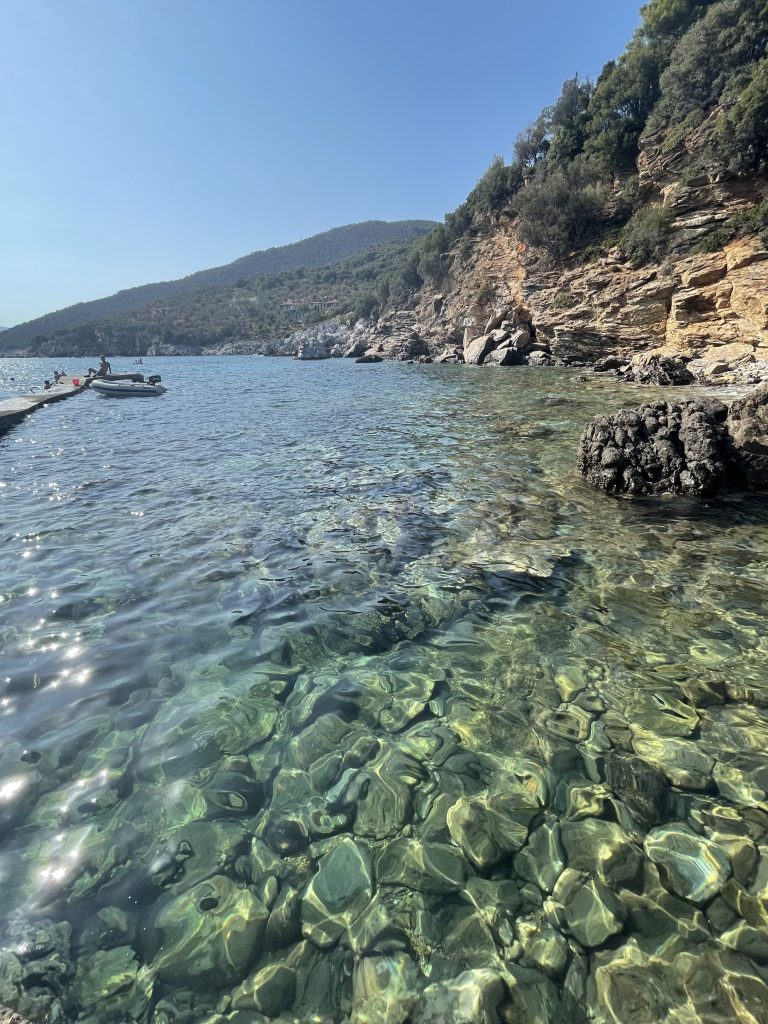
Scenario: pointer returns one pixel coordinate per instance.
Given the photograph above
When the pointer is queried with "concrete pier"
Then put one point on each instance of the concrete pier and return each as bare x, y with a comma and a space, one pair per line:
13, 410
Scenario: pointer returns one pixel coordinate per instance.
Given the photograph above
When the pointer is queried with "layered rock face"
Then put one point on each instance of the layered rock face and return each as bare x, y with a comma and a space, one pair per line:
692, 448
709, 307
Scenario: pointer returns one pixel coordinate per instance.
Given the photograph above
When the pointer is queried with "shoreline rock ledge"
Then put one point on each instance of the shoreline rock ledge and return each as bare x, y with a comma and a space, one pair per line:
693, 448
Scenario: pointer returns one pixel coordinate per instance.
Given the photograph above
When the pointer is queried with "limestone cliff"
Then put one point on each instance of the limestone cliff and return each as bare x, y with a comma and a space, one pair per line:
709, 307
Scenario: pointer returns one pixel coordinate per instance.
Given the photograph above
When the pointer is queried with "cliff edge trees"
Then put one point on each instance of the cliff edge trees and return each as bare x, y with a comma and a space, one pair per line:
695, 73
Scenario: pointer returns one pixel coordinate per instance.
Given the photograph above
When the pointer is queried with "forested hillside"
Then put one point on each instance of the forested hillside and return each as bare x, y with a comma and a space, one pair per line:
319, 250
692, 82
631, 221
248, 316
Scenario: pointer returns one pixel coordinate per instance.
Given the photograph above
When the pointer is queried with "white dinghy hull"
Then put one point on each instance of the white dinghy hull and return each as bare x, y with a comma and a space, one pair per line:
126, 389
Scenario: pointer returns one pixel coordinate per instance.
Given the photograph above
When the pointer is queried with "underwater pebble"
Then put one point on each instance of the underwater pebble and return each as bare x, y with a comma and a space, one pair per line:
691, 866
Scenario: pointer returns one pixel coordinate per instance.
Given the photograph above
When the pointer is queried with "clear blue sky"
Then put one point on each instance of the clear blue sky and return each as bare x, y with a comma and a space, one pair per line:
142, 140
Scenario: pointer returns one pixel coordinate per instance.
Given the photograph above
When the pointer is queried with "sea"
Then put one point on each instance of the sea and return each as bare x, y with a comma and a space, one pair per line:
332, 692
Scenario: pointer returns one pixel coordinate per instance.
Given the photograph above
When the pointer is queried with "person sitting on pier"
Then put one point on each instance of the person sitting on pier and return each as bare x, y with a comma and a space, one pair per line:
103, 370
47, 385
56, 376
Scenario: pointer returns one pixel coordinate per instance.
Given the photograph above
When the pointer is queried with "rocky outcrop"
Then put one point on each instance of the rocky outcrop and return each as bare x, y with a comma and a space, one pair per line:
692, 448
322, 341
708, 308
748, 433
665, 371
656, 449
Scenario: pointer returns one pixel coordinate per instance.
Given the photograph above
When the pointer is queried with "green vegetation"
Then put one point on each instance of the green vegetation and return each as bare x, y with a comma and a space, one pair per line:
317, 251
485, 293
744, 223
693, 66
643, 238
563, 210
564, 300
256, 311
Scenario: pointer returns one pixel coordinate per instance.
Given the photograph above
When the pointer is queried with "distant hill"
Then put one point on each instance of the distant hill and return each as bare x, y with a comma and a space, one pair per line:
316, 251
254, 315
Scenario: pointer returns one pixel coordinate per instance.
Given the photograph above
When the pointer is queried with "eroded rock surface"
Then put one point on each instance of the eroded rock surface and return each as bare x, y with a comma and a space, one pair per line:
658, 448
690, 448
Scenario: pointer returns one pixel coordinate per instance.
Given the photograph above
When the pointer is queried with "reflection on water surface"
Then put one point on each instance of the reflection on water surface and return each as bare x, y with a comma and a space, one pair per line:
332, 692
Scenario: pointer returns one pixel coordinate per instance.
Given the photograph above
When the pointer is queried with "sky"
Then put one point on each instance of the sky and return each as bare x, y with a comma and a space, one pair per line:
142, 140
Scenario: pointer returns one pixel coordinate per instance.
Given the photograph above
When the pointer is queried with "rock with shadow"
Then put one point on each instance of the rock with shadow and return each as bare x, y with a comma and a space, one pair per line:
693, 448
658, 448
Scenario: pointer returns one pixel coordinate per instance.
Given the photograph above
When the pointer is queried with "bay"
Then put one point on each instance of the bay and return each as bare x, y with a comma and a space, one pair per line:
305, 665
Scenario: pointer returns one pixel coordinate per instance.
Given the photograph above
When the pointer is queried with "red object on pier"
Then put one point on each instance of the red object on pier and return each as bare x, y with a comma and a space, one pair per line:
76, 382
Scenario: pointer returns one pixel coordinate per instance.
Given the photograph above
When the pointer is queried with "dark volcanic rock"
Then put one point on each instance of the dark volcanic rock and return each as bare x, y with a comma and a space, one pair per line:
607, 363
663, 370
659, 448
748, 432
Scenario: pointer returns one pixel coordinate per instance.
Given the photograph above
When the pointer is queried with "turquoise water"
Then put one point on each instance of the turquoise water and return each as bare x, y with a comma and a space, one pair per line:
332, 690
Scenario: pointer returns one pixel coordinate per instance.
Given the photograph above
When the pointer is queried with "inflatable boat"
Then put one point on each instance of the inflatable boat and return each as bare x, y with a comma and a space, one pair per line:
128, 388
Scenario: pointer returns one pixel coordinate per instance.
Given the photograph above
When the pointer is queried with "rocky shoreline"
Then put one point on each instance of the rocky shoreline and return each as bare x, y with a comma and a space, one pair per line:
694, 448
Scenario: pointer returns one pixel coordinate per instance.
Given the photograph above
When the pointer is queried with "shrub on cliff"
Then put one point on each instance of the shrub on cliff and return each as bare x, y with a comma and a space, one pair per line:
742, 138
643, 238
562, 210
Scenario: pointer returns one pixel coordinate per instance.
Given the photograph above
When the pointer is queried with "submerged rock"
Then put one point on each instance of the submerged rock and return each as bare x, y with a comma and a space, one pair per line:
207, 936
602, 847
337, 893
270, 991
426, 867
547, 950
473, 997
690, 865
542, 860
490, 827
383, 989
594, 914
112, 983
683, 762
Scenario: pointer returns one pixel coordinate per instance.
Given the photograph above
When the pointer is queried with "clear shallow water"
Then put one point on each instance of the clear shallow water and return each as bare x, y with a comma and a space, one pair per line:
323, 685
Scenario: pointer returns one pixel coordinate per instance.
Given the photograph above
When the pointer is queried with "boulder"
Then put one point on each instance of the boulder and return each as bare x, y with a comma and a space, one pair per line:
658, 448
716, 369
450, 355
539, 358
666, 371
520, 340
496, 320
607, 363
370, 357
504, 356
748, 432
476, 351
